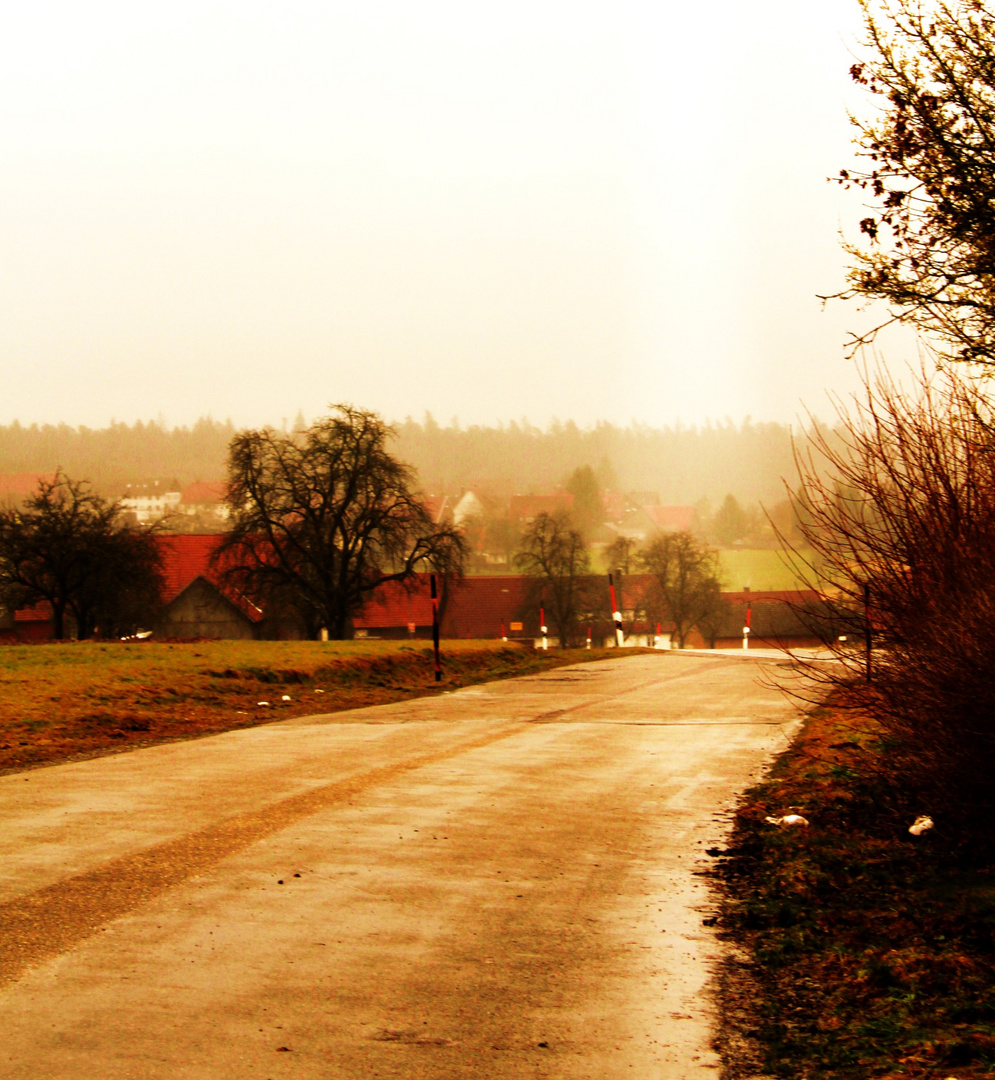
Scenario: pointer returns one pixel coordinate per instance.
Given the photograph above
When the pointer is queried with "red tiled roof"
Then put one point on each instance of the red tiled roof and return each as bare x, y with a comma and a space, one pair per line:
614, 505
393, 605
203, 492
480, 606
22, 484
438, 508
782, 596
782, 615
185, 557
672, 518
40, 612
476, 608
526, 507
188, 556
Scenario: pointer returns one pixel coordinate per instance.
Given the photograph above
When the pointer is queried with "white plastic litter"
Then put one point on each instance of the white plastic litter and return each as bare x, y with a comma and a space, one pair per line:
262, 702
787, 819
921, 824
286, 697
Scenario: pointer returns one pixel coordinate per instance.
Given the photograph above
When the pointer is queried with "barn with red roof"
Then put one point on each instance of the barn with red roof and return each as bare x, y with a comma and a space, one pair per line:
197, 602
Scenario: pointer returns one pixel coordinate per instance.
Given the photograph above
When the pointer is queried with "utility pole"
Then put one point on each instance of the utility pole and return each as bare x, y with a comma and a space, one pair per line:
435, 631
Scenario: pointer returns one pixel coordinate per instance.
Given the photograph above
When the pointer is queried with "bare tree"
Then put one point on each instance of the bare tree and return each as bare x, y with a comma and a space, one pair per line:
621, 554
71, 548
685, 580
928, 243
900, 512
322, 517
554, 555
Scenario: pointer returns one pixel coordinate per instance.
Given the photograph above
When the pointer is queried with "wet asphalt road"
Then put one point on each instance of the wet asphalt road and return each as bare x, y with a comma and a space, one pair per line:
499, 882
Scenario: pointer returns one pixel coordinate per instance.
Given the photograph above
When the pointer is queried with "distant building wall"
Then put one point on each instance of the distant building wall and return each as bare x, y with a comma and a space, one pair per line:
150, 507
201, 611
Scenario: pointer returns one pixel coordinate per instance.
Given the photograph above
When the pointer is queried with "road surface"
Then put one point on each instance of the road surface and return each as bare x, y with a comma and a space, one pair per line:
497, 883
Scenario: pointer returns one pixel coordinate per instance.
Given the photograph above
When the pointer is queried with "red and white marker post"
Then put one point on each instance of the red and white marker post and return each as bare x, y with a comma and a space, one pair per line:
542, 627
616, 614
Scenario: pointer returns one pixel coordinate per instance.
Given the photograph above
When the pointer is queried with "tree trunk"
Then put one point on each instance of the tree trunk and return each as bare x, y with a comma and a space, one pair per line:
58, 621
340, 626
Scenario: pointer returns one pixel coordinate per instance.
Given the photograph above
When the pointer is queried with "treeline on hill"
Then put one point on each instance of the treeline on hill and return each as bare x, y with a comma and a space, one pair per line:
681, 464
118, 454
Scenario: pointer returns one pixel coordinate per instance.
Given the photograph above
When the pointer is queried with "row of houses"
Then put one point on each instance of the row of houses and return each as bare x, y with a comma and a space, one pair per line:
145, 501
493, 525
153, 500
198, 604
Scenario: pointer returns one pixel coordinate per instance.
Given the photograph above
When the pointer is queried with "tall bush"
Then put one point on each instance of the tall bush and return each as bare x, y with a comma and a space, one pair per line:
899, 508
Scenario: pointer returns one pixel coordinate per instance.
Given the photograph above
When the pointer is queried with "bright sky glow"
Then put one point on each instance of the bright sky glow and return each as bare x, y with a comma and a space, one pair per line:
591, 211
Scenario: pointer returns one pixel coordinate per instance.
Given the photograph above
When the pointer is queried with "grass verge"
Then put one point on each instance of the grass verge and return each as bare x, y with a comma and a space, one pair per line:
758, 568
71, 700
858, 949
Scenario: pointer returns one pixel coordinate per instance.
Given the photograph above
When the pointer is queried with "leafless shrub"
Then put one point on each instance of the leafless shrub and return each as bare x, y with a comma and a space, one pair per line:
553, 556
899, 507
684, 584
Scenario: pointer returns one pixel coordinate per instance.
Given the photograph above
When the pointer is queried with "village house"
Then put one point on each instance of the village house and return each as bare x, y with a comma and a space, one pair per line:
205, 499
524, 509
198, 603
149, 500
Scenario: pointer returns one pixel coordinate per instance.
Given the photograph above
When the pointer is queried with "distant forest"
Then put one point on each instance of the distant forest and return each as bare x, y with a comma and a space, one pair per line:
683, 465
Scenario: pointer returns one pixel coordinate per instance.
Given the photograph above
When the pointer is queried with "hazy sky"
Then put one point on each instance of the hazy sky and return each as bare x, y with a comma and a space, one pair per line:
591, 211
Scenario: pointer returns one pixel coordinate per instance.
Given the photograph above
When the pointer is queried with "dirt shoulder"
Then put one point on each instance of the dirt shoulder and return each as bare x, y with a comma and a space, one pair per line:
857, 949
66, 701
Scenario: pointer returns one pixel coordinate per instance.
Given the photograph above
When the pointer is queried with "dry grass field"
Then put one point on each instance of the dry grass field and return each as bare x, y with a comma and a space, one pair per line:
70, 700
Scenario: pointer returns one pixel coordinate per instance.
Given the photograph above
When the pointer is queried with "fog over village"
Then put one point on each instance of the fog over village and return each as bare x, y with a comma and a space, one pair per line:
534, 244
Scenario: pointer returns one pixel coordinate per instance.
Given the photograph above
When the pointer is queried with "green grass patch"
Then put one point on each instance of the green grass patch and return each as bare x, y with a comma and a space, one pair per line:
869, 952
70, 700
760, 569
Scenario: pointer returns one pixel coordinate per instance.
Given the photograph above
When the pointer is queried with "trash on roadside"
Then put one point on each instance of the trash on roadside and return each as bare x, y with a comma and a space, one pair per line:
319, 691
286, 697
262, 702
787, 819
921, 824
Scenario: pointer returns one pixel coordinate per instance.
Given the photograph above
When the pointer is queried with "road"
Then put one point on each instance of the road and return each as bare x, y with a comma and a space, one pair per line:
498, 883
